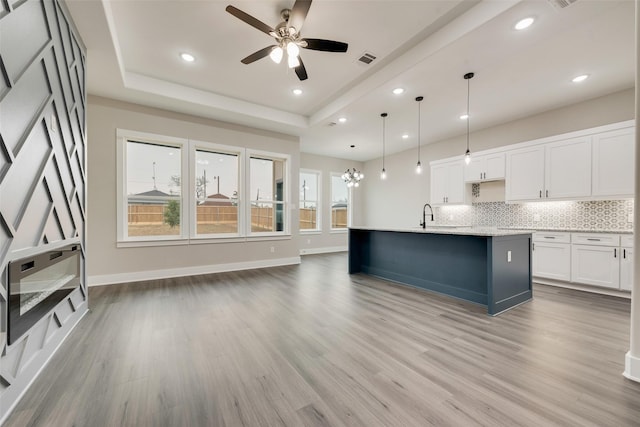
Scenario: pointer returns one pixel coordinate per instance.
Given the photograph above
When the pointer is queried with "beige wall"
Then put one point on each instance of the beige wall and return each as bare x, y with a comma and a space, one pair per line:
325, 239
398, 201
104, 117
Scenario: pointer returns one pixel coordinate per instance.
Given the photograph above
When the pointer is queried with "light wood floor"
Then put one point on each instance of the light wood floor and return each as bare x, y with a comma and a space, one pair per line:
310, 345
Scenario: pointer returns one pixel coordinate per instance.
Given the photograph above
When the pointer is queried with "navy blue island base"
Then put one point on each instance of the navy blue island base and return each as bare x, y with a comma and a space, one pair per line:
492, 268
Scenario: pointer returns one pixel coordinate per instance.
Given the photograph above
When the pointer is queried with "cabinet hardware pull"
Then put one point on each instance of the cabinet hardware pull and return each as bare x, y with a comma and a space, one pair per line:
541, 194
624, 253
547, 193
549, 237
594, 240
480, 175
533, 246
615, 253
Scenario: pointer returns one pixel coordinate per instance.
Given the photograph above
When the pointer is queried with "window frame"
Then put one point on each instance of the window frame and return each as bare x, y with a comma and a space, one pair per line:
286, 192
318, 201
331, 228
123, 137
194, 146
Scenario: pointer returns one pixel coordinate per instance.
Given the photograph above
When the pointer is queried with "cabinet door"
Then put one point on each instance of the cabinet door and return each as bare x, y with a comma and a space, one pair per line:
552, 260
455, 187
525, 173
439, 184
595, 265
613, 160
626, 269
474, 171
494, 169
568, 169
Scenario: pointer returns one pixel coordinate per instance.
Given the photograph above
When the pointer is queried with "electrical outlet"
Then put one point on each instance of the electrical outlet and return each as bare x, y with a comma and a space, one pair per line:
536, 217
308, 241
630, 218
508, 256
273, 249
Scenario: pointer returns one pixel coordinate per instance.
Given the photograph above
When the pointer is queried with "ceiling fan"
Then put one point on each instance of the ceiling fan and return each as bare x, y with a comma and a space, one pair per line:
288, 38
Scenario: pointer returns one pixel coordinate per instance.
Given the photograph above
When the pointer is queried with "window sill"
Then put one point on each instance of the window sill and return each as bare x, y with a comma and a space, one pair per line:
307, 232
145, 243
339, 231
214, 240
255, 238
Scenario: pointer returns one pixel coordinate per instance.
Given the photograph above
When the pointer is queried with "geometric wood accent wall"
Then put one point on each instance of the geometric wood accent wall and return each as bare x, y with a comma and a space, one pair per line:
42, 167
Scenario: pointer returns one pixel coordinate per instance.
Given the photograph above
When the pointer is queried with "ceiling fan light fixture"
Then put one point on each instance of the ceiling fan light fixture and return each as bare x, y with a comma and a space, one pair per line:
292, 49
187, 57
276, 54
293, 61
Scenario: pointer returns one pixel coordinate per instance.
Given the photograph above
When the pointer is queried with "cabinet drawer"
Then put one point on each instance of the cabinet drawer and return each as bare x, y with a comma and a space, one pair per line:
626, 240
595, 239
551, 237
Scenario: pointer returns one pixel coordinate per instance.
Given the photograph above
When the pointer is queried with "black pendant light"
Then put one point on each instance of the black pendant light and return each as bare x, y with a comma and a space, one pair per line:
467, 154
383, 173
419, 165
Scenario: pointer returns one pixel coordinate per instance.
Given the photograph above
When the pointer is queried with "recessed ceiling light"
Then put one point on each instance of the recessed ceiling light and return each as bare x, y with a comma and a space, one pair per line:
352, 146
524, 23
580, 78
342, 119
464, 117
187, 57
405, 136
297, 91
398, 91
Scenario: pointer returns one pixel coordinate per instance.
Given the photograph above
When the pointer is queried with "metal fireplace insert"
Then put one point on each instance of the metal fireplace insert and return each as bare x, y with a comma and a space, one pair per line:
37, 284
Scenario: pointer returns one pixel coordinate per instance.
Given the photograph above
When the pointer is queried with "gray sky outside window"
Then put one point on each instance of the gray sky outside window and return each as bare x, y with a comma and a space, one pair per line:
339, 190
308, 186
142, 156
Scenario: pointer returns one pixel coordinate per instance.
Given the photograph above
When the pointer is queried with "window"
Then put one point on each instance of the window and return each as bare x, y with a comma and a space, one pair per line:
309, 200
267, 194
176, 191
216, 183
152, 193
339, 202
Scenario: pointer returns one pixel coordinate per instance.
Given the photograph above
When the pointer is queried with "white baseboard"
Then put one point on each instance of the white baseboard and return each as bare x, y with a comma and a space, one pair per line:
137, 276
632, 367
325, 250
585, 288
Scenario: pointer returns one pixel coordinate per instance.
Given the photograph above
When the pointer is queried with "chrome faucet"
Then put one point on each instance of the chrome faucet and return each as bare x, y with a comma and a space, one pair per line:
423, 224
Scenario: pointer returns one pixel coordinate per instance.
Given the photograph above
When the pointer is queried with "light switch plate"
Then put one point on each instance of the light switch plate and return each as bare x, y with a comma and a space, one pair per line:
630, 218
508, 256
536, 217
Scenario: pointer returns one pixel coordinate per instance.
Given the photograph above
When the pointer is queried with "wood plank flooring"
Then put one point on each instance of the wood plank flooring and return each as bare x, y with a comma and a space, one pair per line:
310, 345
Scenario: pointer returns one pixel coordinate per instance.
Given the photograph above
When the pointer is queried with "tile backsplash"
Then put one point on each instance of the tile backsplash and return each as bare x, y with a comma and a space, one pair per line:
588, 215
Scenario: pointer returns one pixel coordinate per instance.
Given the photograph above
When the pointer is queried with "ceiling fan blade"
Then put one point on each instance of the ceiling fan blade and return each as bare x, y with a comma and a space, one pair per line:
325, 45
255, 23
258, 55
301, 72
298, 14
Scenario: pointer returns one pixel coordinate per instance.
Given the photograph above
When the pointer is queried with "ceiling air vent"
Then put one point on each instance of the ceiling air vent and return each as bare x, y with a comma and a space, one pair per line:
561, 4
331, 124
366, 58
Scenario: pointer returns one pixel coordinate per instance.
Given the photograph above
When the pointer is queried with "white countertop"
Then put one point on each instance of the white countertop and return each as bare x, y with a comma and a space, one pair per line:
572, 230
457, 230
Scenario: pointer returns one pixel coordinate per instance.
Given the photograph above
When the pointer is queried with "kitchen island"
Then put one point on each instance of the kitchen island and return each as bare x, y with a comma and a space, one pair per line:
486, 266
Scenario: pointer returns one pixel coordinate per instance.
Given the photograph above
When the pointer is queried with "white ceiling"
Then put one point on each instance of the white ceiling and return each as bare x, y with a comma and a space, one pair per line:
423, 46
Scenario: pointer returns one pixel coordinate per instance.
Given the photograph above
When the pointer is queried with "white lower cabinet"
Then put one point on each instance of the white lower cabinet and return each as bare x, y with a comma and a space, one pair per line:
626, 269
552, 256
596, 265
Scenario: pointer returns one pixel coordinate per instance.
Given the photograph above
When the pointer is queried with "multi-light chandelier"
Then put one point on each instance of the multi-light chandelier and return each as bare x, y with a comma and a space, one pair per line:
352, 177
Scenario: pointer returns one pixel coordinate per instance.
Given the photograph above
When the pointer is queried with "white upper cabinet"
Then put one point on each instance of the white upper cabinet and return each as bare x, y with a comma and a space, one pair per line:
613, 160
447, 183
525, 174
568, 169
489, 167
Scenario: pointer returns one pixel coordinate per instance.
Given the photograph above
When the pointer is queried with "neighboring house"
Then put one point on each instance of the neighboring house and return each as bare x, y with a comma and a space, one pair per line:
144, 198
217, 200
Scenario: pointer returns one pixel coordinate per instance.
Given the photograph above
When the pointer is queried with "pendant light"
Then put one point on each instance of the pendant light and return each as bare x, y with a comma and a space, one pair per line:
383, 174
467, 154
419, 165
